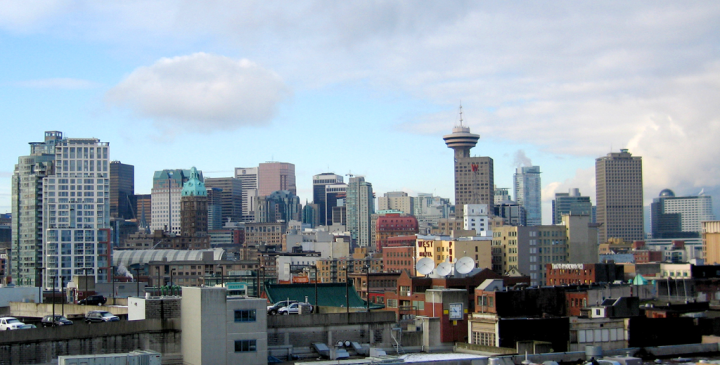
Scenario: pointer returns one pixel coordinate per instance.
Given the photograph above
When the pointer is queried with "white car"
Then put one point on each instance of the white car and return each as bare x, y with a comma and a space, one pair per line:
10, 323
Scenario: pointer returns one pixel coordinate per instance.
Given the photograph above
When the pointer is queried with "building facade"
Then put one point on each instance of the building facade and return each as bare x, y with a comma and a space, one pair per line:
249, 190
396, 200
122, 190
360, 205
393, 225
194, 207
274, 176
231, 197
165, 196
76, 212
570, 203
27, 209
711, 242
679, 217
474, 176
320, 182
279, 206
528, 249
619, 190
527, 189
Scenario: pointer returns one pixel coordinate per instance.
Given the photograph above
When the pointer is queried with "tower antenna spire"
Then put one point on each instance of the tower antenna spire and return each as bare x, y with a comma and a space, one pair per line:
461, 114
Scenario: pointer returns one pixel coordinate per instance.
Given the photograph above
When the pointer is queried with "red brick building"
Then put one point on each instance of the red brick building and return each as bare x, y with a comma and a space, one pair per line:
645, 256
399, 258
393, 225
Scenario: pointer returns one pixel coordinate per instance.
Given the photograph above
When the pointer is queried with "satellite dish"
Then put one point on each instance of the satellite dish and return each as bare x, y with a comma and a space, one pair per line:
425, 265
464, 265
443, 269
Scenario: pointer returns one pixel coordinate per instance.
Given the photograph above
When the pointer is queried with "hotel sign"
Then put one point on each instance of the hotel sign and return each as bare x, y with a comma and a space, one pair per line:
567, 266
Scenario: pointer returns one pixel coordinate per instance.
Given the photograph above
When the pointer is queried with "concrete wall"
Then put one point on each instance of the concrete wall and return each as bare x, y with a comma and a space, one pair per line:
42, 345
154, 308
247, 331
71, 310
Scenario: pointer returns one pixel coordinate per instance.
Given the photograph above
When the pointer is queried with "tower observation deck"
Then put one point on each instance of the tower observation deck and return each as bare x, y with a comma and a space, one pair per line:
461, 140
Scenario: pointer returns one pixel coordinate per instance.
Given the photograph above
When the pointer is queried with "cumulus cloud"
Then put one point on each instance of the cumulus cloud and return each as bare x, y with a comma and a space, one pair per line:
58, 83
201, 93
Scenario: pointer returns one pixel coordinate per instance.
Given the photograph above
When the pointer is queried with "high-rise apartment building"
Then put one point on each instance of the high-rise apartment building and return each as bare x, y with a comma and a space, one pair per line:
396, 200
76, 212
679, 216
122, 190
27, 209
230, 197
274, 176
474, 176
166, 193
249, 190
319, 197
570, 203
527, 189
214, 198
359, 206
619, 190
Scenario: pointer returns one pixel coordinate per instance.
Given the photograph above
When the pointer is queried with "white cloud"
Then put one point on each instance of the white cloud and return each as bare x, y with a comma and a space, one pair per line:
57, 83
201, 93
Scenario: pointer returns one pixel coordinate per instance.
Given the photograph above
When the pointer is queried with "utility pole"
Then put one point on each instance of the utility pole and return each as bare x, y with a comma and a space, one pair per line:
53, 296
137, 280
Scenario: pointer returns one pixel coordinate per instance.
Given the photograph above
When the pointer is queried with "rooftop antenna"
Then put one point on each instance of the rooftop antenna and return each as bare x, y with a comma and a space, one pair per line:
461, 113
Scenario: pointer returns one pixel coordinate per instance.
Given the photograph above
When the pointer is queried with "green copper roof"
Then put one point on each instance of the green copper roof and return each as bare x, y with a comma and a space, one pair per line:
194, 186
329, 294
639, 280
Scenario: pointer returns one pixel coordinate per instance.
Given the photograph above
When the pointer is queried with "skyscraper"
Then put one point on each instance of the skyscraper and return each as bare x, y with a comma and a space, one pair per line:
249, 186
334, 197
274, 176
570, 202
396, 200
27, 209
280, 206
527, 189
122, 190
230, 197
474, 181
76, 212
619, 189
319, 183
679, 217
165, 195
359, 205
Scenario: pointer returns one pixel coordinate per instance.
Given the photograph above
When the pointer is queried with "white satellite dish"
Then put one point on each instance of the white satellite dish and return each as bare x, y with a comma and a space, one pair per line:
443, 269
464, 265
425, 265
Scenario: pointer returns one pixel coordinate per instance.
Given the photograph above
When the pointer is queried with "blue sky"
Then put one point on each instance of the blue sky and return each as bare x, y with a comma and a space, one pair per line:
369, 88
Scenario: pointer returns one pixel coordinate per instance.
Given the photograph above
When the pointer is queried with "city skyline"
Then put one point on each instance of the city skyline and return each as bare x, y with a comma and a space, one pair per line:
311, 89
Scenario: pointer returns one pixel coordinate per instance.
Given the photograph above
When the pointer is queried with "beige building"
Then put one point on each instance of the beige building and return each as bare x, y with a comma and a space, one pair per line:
711, 242
396, 200
233, 329
619, 196
447, 249
582, 238
528, 250
274, 176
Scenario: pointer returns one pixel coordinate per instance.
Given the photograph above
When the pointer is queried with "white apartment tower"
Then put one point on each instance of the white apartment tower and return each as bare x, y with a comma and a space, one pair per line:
76, 212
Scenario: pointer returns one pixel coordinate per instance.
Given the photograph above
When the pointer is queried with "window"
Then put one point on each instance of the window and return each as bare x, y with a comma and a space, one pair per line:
245, 345
244, 315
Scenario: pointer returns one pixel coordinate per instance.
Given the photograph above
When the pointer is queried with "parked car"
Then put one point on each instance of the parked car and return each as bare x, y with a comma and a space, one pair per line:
26, 326
10, 323
100, 316
295, 308
273, 309
93, 300
59, 320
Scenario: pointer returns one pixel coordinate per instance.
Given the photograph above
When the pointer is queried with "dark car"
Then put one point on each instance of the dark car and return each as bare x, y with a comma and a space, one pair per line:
47, 321
93, 300
273, 309
100, 316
